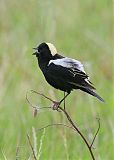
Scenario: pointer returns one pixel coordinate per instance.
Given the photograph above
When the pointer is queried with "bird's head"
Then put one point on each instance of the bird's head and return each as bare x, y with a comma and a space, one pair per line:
45, 50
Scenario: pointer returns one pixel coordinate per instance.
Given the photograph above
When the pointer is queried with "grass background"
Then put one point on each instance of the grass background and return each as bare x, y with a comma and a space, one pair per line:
79, 29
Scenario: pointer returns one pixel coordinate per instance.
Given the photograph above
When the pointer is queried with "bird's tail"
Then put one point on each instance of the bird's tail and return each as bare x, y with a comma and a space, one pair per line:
93, 93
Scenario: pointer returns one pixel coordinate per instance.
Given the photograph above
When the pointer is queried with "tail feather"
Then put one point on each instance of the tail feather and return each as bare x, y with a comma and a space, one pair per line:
87, 86
93, 93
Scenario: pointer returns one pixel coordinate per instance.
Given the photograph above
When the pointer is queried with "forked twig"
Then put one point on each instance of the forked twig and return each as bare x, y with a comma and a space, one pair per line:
34, 106
98, 119
74, 127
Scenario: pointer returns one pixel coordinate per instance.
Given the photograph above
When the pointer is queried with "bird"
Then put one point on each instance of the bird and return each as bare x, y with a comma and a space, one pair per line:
63, 73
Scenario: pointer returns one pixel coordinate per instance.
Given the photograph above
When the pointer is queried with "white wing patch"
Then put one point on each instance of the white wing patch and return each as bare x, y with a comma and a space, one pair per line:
68, 63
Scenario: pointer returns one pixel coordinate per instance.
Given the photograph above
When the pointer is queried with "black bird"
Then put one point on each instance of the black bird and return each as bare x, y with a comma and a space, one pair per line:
63, 73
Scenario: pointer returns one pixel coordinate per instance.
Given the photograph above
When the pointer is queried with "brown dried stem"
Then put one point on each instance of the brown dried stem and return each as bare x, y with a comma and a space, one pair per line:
73, 125
56, 124
98, 119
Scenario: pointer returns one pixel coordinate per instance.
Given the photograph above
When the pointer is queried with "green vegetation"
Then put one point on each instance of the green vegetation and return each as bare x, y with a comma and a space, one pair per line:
79, 29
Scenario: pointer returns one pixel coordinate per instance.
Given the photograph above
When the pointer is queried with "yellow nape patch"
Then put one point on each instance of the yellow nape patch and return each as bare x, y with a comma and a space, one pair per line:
52, 48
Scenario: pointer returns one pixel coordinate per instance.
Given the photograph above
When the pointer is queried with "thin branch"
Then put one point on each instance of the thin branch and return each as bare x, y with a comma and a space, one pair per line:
79, 132
31, 147
98, 119
74, 127
55, 124
34, 106
42, 95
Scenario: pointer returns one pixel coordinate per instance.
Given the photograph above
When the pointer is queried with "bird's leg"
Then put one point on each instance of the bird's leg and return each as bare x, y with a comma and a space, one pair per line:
57, 104
64, 100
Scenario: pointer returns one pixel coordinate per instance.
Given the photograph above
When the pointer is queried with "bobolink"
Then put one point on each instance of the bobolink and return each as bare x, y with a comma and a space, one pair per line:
63, 73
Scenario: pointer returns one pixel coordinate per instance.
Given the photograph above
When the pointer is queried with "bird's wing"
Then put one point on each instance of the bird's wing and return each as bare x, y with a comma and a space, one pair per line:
71, 70
74, 66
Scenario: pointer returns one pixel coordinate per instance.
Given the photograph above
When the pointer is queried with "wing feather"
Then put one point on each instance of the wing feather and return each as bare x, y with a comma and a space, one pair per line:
68, 63
71, 71
74, 66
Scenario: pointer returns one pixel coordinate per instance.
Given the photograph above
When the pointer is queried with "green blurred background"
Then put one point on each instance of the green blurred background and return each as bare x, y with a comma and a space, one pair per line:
79, 29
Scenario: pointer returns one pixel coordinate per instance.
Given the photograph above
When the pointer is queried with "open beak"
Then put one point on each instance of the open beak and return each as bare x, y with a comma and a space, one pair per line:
36, 51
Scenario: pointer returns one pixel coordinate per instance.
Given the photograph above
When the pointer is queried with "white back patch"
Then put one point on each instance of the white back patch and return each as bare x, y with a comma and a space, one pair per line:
68, 63
52, 48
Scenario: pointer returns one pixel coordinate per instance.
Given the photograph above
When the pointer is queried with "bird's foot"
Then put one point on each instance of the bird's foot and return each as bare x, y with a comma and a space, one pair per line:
55, 105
